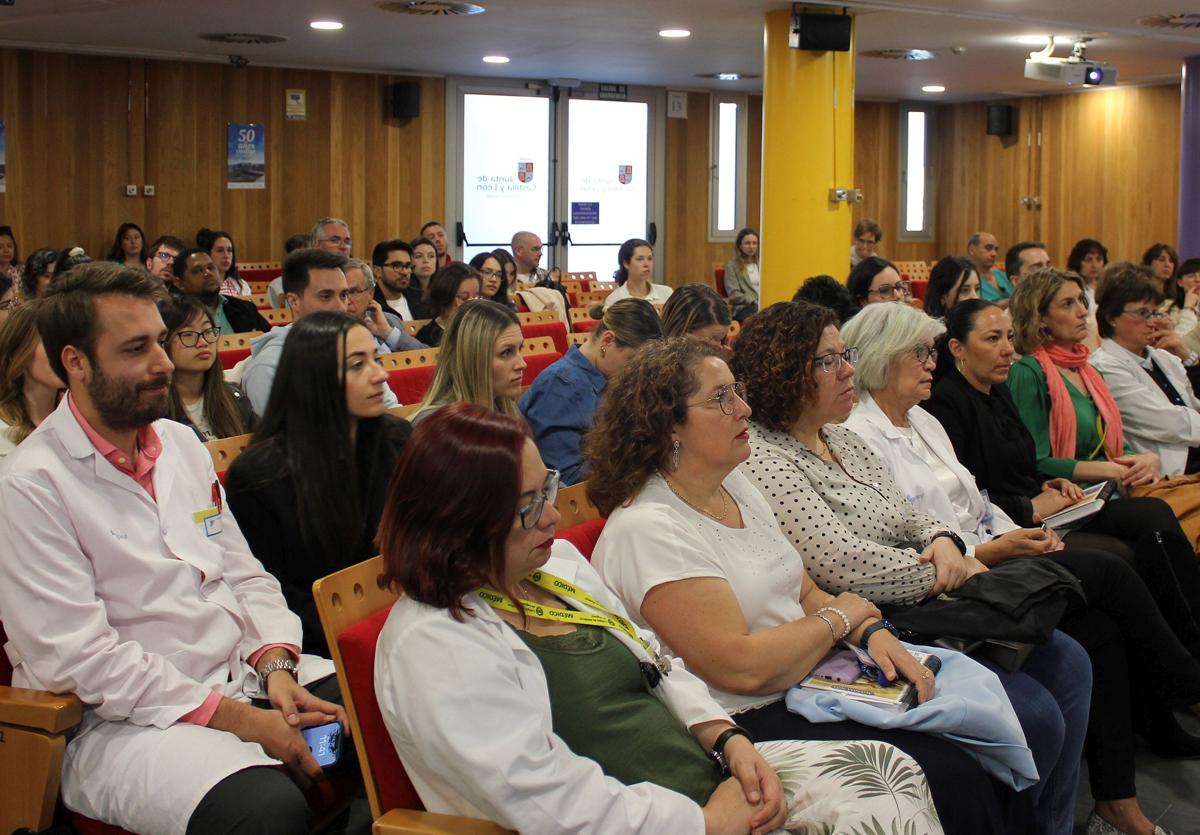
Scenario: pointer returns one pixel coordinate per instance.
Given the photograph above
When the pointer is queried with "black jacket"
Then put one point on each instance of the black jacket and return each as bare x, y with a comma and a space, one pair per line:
990, 441
244, 316
413, 296
262, 496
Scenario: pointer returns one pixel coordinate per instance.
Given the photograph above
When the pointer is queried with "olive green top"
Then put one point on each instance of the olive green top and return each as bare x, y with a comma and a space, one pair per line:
1027, 384
603, 709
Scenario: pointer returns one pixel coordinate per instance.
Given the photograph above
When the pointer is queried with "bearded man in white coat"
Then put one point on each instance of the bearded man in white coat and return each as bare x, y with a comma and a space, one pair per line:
124, 582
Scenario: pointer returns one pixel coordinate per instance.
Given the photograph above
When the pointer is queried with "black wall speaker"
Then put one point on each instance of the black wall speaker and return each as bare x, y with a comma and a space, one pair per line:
999, 120
825, 32
406, 99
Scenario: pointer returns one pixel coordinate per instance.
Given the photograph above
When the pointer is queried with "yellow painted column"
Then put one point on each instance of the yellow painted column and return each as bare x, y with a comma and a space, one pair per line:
808, 149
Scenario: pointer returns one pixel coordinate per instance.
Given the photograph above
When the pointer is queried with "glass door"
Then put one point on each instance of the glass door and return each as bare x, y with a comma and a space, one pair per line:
607, 199
577, 170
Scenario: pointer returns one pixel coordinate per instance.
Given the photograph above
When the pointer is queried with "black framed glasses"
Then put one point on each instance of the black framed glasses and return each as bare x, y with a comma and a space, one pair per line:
531, 513
190, 339
399, 265
831, 362
491, 273
925, 353
725, 397
890, 291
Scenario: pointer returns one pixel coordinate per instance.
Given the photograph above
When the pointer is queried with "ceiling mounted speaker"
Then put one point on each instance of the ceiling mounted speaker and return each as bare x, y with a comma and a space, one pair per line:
1000, 120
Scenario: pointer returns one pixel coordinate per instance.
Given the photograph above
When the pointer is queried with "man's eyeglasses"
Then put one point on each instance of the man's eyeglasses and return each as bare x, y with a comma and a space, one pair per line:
358, 291
890, 291
866, 241
165, 257
531, 513
725, 397
398, 266
831, 362
925, 353
1145, 313
190, 339
336, 240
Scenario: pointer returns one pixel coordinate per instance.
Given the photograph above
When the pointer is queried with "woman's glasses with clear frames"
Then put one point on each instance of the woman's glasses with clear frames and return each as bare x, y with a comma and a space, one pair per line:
725, 397
531, 513
831, 362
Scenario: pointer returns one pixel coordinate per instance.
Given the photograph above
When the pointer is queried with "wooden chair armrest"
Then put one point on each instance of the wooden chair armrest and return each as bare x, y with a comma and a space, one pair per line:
412, 822
38, 709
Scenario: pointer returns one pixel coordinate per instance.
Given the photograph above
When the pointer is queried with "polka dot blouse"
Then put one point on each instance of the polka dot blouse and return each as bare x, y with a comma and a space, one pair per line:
848, 520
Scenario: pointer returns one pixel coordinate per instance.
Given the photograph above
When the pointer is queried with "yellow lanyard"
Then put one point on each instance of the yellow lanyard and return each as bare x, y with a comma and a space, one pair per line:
604, 617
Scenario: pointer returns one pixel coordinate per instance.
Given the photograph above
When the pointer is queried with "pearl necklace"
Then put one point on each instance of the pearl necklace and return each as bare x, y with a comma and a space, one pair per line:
682, 498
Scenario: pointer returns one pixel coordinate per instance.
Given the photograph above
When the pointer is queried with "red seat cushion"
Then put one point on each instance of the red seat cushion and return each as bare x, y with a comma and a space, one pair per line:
720, 282
357, 644
260, 275
232, 357
919, 286
585, 325
535, 365
555, 330
410, 384
584, 535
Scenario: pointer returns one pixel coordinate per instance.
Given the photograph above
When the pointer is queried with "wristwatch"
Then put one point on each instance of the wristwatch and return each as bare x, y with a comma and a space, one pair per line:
882, 623
718, 749
953, 537
274, 666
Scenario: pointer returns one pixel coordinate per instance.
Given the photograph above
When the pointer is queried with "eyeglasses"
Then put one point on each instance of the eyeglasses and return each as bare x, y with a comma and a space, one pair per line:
831, 362
399, 265
165, 257
358, 291
11, 304
888, 291
190, 339
491, 273
531, 513
725, 397
336, 240
535, 249
925, 353
867, 241
1145, 313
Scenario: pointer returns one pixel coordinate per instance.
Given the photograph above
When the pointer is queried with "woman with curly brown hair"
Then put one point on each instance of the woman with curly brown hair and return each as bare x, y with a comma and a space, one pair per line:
694, 553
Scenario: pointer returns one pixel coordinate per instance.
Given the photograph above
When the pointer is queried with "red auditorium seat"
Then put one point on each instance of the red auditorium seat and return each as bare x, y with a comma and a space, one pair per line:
555, 330
535, 364
719, 276
410, 384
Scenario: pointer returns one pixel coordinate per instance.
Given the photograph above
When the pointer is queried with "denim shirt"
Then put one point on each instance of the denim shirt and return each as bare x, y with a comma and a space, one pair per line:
559, 406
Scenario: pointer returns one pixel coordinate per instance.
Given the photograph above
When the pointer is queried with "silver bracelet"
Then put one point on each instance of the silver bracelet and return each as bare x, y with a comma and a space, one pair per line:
829, 623
845, 620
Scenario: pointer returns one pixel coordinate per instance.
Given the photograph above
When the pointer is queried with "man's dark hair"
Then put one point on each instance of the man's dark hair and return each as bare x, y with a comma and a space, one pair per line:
1123, 283
180, 265
295, 242
297, 265
1012, 258
827, 291
430, 223
174, 243
67, 313
380, 253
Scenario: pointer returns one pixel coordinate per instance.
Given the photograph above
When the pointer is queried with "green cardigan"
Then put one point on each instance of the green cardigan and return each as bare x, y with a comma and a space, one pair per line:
1027, 383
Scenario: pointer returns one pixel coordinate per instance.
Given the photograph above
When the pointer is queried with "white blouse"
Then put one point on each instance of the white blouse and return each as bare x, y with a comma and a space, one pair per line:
659, 293
658, 539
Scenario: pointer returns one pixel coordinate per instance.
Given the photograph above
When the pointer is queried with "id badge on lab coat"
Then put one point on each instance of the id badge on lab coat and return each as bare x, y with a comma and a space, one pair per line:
210, 518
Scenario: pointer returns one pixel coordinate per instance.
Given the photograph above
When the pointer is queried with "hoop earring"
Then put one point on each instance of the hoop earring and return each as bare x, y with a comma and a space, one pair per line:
675, 455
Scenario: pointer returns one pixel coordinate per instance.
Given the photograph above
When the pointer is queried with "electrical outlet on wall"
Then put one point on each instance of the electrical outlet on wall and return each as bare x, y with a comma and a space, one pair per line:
148, 190
131, 191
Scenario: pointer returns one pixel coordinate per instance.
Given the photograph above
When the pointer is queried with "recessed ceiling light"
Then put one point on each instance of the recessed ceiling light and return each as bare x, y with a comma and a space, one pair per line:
933, 88
674, 33
728, 76
329, 25
1042, 40
495, 59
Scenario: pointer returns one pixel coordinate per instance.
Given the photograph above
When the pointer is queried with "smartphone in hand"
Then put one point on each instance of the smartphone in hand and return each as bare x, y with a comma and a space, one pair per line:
325, 742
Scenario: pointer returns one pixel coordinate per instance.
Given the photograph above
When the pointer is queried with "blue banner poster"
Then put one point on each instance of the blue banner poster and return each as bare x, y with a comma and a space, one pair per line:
3, 161
247, 157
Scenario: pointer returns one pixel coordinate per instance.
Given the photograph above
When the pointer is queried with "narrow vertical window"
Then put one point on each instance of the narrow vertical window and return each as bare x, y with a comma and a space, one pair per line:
727, 190
916, 173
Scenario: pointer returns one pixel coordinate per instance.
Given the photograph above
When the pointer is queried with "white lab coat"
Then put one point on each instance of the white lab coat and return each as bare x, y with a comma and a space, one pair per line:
917, 480
469, 713
138, 609
1151, 422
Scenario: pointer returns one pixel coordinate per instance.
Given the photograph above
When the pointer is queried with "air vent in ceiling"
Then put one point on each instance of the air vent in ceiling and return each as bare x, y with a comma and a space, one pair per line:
430, 7
1183, 20
243, 38
901, 54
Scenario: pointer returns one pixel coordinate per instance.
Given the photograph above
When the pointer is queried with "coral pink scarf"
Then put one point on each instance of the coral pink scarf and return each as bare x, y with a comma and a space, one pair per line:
1062, 412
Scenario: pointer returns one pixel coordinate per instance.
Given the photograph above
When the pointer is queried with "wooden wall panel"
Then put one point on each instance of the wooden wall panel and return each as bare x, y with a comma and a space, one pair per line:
876, 172
80, 127
684, 242
1110, 169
